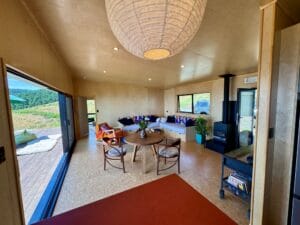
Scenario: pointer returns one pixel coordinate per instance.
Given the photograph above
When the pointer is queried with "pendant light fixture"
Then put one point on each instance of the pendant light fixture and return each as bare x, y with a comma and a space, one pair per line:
155, 29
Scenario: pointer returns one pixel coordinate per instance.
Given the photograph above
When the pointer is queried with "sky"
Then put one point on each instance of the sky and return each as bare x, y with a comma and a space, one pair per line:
15, 82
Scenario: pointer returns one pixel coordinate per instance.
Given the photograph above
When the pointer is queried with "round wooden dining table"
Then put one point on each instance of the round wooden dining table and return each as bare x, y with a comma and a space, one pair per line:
146, 144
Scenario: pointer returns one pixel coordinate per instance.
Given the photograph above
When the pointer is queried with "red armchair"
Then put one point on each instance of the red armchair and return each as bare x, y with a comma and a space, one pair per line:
103, 130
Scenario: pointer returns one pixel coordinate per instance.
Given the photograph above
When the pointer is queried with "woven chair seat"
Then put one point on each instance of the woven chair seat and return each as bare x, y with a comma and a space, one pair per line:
116, 152
168, 152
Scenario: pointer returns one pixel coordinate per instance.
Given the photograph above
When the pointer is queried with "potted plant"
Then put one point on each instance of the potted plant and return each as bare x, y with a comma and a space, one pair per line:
143, 124
201, 130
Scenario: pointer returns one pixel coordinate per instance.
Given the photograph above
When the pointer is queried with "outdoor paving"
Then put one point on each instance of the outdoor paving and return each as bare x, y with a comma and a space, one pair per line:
36, 171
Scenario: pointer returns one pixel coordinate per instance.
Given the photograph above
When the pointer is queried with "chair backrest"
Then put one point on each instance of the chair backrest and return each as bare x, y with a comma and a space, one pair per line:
100, 130
110, 141
173, 142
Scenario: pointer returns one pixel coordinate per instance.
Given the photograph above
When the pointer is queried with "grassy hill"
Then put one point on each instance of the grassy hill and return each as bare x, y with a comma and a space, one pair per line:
42, 116
33, 97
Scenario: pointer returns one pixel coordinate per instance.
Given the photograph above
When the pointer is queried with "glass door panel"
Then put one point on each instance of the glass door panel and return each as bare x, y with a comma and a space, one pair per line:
246, 100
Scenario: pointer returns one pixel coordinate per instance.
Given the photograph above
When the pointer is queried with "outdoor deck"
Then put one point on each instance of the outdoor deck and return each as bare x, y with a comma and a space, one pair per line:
36, 171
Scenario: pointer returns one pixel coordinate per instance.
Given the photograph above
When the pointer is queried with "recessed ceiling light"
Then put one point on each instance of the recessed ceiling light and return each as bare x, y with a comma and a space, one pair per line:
104, 71
182, 66
149, 79
116, 49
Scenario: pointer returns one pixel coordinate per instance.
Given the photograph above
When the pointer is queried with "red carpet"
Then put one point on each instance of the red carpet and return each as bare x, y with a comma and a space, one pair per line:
167, 201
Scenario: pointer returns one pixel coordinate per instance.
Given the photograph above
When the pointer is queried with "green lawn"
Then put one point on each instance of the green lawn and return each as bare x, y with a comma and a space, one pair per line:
42, 116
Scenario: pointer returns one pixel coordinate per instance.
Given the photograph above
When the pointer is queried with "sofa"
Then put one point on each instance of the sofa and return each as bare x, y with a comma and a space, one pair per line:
131, 124
173, 126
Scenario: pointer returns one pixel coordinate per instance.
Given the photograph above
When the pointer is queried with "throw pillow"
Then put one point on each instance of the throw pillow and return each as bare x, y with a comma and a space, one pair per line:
123, 121
171, 119
129, 121
177, 119
126, 121
136, 119
190, 123
152, 118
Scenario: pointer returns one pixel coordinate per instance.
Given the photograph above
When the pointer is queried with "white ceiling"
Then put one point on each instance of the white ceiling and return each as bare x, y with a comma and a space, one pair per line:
227, 42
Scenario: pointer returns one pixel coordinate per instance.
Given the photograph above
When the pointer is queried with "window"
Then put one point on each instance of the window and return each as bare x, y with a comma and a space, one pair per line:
201, 103
185, 103
194, 103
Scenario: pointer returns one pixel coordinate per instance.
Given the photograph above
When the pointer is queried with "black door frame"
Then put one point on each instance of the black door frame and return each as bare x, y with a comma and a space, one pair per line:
65, 121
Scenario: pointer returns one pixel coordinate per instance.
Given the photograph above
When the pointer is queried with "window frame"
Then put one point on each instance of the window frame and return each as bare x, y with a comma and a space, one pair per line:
178, 104
192, 95
209, 102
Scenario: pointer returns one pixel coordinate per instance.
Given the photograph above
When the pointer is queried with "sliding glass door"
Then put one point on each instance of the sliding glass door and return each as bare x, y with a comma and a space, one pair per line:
44, 137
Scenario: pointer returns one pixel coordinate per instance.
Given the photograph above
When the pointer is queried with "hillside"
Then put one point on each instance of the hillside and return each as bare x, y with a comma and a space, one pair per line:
33, 97
42, 116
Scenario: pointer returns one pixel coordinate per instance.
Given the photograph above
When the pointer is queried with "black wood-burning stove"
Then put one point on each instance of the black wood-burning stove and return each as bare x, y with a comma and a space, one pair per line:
225, 132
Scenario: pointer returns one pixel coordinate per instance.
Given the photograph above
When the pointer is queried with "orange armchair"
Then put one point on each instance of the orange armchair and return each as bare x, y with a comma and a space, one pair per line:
103, 130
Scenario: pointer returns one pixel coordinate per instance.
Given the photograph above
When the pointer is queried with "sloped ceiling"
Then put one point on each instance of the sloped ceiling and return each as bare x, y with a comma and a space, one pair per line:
227, 42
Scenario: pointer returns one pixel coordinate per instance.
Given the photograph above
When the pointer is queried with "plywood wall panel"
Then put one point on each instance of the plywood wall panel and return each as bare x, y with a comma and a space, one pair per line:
114, 100
238, 82
170, 99
24, 46
273, 19
282, 150
265, 72
215, 87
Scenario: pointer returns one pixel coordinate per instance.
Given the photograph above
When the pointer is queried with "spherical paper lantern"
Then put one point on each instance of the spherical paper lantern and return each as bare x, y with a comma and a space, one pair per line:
155, 29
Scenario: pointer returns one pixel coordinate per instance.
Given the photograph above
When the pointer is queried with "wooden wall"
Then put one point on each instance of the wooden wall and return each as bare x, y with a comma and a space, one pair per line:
25, 47
215, 87
273, 19
281, 146
114, 100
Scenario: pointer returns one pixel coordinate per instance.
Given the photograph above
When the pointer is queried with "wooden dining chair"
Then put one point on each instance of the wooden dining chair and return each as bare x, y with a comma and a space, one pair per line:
113, 150
169, 150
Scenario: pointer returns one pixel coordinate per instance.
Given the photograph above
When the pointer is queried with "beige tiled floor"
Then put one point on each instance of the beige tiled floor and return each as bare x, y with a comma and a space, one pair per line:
86, 181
